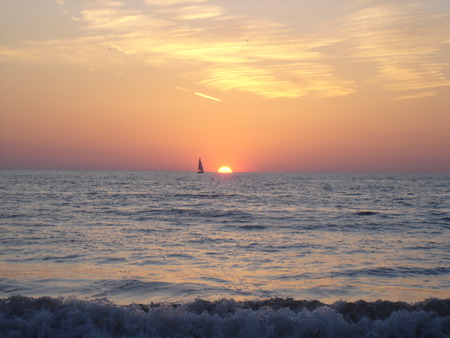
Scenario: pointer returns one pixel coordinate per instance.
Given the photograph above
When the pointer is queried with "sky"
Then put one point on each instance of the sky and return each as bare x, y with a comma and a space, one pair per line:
326, 86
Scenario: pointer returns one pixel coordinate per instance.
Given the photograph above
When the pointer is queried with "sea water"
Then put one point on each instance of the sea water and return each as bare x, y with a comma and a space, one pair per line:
197, 250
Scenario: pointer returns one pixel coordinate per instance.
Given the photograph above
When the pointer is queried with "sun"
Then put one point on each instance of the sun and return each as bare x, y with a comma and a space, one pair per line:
224, 170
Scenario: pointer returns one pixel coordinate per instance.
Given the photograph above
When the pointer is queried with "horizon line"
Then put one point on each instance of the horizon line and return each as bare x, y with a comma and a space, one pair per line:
234, 172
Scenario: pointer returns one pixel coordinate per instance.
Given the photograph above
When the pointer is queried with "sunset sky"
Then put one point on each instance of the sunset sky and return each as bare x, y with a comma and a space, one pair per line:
355, 86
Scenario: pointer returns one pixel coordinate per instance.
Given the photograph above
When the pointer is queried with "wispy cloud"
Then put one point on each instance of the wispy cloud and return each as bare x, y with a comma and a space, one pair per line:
415, 95
199, 12
397, 42
172, 2
226, 52
258, 56
401, 41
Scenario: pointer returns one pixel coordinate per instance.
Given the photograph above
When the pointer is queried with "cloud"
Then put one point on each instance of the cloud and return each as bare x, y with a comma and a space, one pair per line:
417, 95
172, 2
398, 44
402, 41
228, 53
199, 12
83, 52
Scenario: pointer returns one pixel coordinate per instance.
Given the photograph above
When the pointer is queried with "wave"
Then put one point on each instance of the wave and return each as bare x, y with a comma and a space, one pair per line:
198, 212
276, 317
394, 271
366, 213
205, 195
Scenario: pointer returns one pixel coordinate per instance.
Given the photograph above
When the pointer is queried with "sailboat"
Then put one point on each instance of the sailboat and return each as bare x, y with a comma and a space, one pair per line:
200, 167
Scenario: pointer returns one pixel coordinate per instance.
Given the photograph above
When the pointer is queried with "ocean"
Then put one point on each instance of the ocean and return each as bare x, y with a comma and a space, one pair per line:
167, 254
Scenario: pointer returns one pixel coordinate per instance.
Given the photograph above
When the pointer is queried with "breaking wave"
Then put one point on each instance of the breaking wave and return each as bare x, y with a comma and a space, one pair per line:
71, 317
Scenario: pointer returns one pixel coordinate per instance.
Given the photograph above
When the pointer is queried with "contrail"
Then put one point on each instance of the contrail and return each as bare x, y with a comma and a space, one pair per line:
207, 96
199, 94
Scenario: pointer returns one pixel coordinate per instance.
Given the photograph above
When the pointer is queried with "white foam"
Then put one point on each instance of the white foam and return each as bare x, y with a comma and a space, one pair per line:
70, 317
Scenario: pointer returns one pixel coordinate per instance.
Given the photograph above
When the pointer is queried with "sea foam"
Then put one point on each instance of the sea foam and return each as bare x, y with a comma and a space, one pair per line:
71, 317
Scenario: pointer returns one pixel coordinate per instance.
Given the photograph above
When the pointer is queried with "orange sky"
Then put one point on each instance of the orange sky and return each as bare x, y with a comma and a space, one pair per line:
261, 86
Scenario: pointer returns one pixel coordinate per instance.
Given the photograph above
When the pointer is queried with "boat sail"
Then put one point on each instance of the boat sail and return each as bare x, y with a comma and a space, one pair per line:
200, 167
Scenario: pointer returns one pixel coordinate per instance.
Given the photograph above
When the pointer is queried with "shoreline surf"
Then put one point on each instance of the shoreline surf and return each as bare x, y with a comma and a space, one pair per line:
274, 317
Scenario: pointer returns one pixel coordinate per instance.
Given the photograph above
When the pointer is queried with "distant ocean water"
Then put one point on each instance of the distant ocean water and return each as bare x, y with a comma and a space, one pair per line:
223, 255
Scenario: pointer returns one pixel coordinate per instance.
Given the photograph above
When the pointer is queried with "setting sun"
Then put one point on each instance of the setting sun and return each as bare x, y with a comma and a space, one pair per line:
225, 170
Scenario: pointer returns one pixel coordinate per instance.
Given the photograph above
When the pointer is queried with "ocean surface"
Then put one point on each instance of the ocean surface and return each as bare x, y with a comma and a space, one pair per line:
242, 254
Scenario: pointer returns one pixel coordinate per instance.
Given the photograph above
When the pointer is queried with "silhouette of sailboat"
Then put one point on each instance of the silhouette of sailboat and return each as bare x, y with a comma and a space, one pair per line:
200, 167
